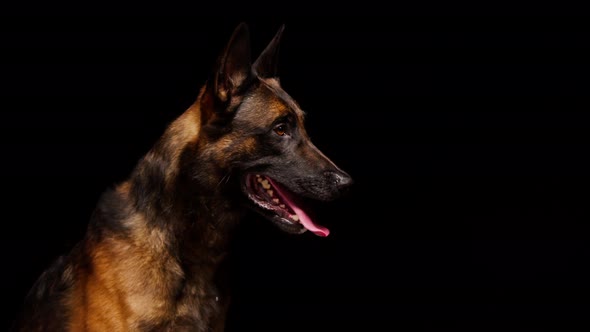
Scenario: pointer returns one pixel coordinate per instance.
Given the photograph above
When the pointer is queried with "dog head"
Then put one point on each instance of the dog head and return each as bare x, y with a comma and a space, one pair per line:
258, 132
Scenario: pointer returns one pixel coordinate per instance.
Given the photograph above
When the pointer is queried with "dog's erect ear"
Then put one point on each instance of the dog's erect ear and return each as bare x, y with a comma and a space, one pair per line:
234, 65
267, 63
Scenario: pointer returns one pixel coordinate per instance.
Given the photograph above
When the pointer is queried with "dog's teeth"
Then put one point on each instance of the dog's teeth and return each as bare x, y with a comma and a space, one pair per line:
265, 184
258, 175
281, 205
270, 192
295, 217
276, 200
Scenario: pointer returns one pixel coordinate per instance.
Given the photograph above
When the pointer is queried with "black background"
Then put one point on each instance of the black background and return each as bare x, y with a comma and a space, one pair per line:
466, 136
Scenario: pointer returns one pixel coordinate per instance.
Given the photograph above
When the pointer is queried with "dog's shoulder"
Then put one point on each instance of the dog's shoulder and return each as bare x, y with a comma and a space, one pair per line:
44, 304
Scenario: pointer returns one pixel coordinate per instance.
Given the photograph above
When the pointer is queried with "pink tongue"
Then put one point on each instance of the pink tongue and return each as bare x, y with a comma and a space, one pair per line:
304, 219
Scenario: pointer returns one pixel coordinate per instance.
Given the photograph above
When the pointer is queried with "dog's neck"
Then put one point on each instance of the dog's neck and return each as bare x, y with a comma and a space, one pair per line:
178, 189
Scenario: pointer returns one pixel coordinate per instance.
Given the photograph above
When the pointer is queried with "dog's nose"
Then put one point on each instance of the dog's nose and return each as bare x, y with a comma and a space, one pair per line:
340, 180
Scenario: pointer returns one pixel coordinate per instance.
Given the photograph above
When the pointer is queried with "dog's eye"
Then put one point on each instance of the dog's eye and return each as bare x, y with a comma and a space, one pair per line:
281, 129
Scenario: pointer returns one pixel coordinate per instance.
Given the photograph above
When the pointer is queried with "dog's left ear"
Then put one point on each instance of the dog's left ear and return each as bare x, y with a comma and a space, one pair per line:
266, 66
234, 66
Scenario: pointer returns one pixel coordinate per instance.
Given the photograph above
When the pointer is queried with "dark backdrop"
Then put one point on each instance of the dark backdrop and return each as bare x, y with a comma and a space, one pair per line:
466, 137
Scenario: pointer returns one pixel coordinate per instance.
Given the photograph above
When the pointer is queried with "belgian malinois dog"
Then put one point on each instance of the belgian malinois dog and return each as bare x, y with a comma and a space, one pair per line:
151, 259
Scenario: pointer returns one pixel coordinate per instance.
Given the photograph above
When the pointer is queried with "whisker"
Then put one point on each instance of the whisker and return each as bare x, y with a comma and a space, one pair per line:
224, 179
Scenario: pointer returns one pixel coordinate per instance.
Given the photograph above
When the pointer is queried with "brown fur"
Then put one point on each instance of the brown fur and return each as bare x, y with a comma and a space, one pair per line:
153, 258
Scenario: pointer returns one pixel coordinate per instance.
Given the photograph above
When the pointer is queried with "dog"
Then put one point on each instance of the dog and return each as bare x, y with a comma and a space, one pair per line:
154, 254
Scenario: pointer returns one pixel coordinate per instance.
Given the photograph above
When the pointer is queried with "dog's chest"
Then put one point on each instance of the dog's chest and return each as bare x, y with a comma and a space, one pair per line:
198, 307
201, 306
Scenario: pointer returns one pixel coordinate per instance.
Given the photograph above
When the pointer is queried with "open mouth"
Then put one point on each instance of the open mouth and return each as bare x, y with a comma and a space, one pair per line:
280, 206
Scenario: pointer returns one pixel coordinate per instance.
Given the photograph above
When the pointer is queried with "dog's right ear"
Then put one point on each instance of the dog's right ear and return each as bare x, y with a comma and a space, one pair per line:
234, 66
267, 63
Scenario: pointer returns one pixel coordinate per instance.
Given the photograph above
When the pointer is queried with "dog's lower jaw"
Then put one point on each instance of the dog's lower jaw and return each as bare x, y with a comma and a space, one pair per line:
283, 223
275, 202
